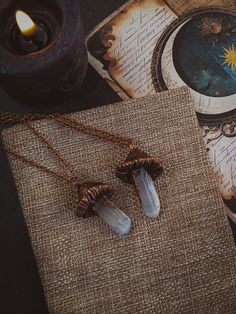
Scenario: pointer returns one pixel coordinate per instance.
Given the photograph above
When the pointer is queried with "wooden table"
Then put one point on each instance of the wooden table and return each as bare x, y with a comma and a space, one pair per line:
21, 290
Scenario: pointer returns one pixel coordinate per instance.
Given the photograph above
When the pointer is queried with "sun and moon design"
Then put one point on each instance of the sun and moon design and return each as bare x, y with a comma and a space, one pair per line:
211, 29
230, 57
214, 30
200, 51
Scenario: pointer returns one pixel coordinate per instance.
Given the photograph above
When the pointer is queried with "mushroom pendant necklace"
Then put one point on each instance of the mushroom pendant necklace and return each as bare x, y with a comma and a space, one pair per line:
142, 170
93, 197
139, 168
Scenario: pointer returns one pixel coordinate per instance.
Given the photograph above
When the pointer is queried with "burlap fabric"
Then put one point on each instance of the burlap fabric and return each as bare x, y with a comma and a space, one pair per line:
182, 262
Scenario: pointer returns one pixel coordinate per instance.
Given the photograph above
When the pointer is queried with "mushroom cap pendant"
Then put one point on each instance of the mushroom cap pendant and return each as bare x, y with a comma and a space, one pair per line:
142, 170
93, 199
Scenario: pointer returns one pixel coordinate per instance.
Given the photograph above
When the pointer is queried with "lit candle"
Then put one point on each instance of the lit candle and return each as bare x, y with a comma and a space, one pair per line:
43, 53
29, 37
25, 23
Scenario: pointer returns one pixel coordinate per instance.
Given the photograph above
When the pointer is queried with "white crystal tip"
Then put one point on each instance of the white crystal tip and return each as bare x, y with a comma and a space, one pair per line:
147, 193
152, 214
125, 226
116, 219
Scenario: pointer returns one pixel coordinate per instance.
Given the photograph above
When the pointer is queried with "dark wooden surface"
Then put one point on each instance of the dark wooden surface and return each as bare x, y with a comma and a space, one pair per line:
20, 287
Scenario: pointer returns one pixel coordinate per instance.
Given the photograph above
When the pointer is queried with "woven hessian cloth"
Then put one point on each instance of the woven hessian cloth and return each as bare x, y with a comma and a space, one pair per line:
182, 262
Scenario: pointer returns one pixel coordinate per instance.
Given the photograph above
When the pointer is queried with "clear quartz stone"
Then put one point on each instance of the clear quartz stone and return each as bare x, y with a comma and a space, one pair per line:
114, 217
147, 192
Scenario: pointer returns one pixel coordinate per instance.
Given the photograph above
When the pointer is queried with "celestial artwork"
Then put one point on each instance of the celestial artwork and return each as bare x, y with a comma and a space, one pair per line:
204, 53
199, 50
149, 46
230, 57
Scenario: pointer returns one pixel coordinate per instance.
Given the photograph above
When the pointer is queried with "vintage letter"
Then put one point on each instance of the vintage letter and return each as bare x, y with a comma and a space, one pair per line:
121, 50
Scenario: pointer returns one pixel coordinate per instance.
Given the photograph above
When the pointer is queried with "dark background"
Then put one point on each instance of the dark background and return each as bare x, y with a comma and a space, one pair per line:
20, 287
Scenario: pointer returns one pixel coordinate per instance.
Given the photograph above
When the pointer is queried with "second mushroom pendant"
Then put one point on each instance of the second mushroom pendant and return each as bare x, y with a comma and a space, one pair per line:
93, 199
142, 170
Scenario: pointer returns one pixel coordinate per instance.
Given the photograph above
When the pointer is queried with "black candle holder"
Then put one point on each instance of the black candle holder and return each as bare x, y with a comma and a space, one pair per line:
58, 67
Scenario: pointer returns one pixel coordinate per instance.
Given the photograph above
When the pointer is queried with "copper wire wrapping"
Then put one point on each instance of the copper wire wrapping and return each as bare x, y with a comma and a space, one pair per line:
90, 192
135, 160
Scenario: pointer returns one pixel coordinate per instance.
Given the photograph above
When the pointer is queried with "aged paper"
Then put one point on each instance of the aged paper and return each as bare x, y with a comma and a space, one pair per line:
121, 49
183, 6
130, 38
222, 153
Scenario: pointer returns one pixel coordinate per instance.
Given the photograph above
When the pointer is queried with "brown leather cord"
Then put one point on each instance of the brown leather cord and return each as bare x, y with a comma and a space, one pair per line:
67, 122
35, 164
64, 163
72, 178
12, 119
16, 118
90, 130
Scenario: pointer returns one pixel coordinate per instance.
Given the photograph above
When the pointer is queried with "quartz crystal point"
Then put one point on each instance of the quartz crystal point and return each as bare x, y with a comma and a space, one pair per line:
114, 217
147, 192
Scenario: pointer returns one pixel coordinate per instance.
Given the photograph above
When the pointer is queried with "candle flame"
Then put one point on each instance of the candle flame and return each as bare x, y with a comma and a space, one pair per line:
25, 23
